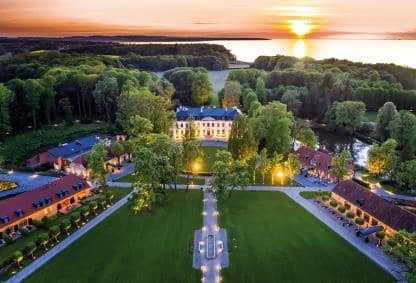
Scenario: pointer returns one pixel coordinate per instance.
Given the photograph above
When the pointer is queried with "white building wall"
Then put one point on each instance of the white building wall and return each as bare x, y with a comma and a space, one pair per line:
205, 129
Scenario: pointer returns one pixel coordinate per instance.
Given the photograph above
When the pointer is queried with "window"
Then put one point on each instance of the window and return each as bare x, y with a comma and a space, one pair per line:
72, 200
359, 213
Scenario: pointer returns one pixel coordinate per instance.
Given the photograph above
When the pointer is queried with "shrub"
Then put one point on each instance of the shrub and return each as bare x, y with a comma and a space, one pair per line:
333, 203
350, 214
38, 223
54, 232
17, 257
42, 240
102, 202
109, 197
30, 249
380, 235
85, 211
7, 238
24, 231
341, 209
65, 226
93, 206
75, 218
325, 198
359, 221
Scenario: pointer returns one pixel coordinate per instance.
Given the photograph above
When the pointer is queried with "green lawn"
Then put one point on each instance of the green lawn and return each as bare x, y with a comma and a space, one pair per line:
19, 244
180, 180
133, 248
275, 240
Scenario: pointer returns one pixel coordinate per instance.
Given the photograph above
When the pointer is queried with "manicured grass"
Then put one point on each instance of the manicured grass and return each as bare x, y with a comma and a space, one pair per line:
133, 248
313, 194
275, 240
180, 180
19, 244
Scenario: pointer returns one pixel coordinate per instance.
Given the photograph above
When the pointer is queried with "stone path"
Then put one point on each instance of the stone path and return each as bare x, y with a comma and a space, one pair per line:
371, 251
38, 263
218, 249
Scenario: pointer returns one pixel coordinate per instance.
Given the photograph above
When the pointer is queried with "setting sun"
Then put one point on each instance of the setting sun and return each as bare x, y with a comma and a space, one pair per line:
300, 27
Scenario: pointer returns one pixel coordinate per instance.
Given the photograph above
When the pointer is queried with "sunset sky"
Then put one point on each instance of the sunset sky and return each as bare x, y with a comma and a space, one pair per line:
262, 18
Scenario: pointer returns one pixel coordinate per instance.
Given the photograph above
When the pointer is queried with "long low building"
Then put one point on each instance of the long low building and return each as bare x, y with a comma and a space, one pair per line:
373, 209
60, 195
210, 122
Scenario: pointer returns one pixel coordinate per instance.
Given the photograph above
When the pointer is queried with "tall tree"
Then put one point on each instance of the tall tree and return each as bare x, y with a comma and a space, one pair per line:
405, 174
6, 98
33, 91
403, 129
138, 126
272, 127
201, 88
241, 142
249, 97
386, 114
190, 130
291, 98
191, 151
228, 175
105, 95
304, 134
340, 166
96, 159
293, 165
346, 115
260, 89
382, 158
117, 149
232, 94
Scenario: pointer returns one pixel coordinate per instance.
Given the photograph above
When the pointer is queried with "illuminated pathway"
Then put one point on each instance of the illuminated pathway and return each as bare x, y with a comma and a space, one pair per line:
210, 243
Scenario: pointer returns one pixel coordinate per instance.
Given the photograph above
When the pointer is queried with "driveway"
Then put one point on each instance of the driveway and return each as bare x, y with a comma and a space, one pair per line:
25, 181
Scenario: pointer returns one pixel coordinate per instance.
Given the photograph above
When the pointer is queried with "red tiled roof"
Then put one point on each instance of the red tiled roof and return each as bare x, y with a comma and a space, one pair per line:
25, 200
388, 213
305, 155
319, 159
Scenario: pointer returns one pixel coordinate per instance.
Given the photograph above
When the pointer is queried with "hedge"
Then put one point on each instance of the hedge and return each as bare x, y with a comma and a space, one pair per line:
333, 203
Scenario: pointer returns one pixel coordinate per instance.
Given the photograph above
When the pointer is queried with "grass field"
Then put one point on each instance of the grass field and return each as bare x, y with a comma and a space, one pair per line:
275, 240
19, 244
180, 180
133, 248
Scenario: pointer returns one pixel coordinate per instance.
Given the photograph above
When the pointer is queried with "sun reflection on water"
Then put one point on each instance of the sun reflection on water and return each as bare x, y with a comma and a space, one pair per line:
300, 49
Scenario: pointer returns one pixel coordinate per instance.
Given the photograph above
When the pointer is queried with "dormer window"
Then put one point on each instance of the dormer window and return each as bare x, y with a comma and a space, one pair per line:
19, 212
4, 219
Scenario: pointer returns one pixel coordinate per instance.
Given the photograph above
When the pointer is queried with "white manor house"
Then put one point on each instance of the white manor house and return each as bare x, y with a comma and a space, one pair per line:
210, 122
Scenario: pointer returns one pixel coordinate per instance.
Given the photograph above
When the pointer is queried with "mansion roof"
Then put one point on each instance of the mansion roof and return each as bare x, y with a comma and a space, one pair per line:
386, 212
207, 112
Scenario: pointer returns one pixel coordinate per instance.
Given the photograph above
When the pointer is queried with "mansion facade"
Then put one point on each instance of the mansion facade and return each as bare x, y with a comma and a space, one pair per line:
210, 122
